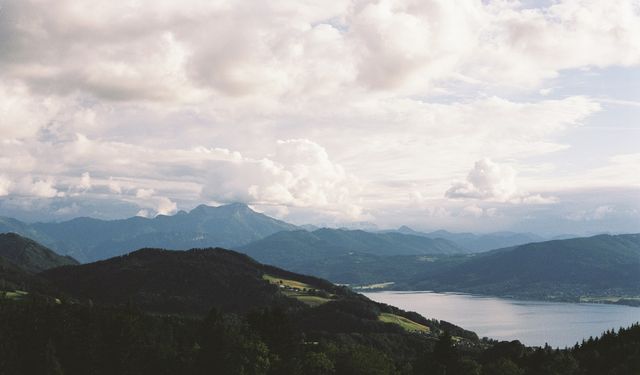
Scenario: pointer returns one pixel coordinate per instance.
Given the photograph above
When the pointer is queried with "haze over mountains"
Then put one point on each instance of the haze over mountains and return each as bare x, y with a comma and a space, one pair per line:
478, 242
237, 225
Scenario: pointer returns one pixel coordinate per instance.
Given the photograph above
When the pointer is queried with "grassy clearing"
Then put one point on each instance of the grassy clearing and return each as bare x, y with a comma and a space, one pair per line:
312, 300
287, 283
15, 295
295, 289
408, 325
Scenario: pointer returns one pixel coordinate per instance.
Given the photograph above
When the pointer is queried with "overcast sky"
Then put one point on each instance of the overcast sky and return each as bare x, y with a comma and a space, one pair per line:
463, 115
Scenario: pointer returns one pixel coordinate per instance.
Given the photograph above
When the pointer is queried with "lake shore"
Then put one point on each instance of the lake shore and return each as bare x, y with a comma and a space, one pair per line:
533, 322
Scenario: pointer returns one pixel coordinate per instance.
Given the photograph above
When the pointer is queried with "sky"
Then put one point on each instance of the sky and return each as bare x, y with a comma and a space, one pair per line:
463, 115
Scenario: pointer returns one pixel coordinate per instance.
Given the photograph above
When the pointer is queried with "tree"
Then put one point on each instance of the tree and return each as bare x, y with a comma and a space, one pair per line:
227, 346
502, 366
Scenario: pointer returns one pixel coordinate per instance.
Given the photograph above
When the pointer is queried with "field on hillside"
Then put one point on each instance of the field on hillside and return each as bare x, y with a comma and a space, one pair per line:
303, 292
408, 325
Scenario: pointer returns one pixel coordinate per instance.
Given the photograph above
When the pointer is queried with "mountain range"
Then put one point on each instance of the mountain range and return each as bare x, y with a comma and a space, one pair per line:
237, 226
87, 239
478, 242
595, 267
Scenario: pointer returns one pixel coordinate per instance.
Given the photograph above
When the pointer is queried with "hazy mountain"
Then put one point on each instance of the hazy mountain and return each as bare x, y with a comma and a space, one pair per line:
88, 239
30, 255
478, 242
602, 265
316, 252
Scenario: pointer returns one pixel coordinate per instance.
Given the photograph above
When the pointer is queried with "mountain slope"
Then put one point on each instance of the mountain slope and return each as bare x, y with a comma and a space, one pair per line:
601, 265
313, 252
88, 239
30, 255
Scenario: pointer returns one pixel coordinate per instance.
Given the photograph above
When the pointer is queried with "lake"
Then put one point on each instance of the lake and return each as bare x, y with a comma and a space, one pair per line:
534, 323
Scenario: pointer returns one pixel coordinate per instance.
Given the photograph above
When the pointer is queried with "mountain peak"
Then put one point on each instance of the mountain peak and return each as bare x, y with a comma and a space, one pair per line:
406, 229
234, 207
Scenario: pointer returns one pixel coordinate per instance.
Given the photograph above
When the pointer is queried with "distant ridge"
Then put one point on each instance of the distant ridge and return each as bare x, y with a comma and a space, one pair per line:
602, 265
88, 239
477, 242
304, 251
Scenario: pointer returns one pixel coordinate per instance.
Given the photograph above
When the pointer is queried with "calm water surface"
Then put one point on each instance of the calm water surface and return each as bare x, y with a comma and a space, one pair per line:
531, 322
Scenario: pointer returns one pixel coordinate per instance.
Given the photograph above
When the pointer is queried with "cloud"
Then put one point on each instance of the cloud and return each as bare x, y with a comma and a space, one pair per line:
4, 186
325, 109
85, 181
114, 186
158, 51
492, 181
36, 187
487, 180
144, 193
598, 213
299, 173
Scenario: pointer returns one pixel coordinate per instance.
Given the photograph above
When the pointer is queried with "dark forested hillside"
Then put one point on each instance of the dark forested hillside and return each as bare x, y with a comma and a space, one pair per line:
30, 255
88, 239
14, 278
40, 337
602, 265
173, 281
20, 260
194, 281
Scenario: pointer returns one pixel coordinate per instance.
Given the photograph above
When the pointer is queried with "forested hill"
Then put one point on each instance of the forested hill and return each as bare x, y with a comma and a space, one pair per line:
20, 260
88, 239
598, 266
30, 255
190, 281
194, 281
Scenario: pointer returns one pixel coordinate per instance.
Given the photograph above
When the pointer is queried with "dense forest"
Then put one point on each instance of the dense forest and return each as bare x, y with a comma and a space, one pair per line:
41, 337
